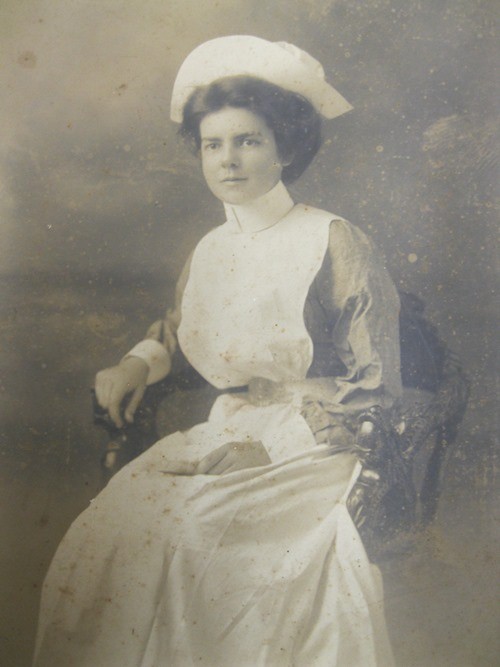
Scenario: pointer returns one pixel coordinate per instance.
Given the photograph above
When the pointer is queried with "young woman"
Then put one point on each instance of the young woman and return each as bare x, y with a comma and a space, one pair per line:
231, 544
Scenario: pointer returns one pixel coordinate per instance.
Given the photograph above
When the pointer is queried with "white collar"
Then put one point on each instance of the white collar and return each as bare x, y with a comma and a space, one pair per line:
261, 213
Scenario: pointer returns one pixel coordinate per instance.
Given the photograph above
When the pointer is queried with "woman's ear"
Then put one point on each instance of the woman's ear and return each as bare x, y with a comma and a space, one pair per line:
286, 160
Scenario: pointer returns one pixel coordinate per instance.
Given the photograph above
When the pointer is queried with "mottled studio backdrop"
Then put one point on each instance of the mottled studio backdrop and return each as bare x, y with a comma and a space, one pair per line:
100, 205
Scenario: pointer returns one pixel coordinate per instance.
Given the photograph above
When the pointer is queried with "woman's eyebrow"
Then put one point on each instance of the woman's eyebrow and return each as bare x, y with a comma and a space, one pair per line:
247, 135
238, 137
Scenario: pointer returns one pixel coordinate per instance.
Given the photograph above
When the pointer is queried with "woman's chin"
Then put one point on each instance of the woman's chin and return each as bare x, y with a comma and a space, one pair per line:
239, 194
235, 198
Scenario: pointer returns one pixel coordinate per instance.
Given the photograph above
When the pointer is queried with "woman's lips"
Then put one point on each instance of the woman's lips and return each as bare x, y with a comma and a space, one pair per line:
233, 180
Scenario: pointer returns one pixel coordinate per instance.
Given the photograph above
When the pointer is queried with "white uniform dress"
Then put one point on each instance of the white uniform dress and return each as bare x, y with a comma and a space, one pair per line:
261, 566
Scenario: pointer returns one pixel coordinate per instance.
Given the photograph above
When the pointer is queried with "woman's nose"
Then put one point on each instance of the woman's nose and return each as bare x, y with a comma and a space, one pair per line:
229, 156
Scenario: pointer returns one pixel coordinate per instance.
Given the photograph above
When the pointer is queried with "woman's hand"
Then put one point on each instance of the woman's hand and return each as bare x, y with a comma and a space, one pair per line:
113, 384
233, 456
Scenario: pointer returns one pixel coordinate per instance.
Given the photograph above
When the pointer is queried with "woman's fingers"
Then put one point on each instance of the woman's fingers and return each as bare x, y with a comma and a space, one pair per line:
233, 456
222, 466
114, 408
207, 463
109, 396
113, 384
134, 403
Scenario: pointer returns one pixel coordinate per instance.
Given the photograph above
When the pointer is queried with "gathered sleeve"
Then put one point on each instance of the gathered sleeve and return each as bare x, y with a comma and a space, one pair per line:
359, 308
160, 343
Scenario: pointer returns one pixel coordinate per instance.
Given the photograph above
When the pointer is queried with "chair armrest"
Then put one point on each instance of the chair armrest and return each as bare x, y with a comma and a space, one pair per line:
383, 500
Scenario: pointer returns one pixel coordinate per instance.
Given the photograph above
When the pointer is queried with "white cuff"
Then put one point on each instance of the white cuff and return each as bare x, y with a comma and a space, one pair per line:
156, 357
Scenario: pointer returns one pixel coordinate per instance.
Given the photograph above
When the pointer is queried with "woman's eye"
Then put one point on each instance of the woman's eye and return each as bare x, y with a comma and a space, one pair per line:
249, 142
210, 147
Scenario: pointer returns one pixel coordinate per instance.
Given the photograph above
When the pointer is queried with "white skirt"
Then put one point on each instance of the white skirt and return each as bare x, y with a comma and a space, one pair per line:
261, 566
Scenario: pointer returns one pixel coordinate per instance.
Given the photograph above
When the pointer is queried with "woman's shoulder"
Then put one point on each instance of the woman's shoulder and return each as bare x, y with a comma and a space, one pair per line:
343, 233
210, 238
313, 213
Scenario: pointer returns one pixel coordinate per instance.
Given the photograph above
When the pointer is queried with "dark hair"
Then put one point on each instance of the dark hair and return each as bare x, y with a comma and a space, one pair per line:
294, 121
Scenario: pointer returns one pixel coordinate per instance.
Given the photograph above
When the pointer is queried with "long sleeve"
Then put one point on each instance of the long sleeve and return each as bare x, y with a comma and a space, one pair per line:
352, 313
160, 343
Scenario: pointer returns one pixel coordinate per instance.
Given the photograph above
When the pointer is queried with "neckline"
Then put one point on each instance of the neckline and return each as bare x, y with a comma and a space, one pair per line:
261, 213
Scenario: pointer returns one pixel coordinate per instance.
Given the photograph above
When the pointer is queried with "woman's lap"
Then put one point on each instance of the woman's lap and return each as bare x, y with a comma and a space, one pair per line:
192, 568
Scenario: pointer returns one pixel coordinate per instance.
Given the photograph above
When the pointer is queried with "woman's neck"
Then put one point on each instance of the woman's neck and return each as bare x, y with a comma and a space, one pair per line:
260, 213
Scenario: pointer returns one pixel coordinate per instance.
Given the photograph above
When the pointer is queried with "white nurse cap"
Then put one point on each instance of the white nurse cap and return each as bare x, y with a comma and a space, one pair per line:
279, 63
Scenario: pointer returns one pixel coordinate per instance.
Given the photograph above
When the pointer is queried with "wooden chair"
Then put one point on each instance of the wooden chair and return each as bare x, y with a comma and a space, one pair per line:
402, 450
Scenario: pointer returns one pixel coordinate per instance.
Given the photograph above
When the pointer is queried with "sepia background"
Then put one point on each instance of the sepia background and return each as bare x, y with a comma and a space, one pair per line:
101, 204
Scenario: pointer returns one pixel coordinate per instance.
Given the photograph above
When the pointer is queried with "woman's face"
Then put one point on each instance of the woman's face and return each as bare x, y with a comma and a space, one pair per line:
239, 155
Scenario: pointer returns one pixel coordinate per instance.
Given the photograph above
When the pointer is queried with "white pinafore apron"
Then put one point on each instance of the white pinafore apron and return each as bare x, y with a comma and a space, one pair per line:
259, 567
